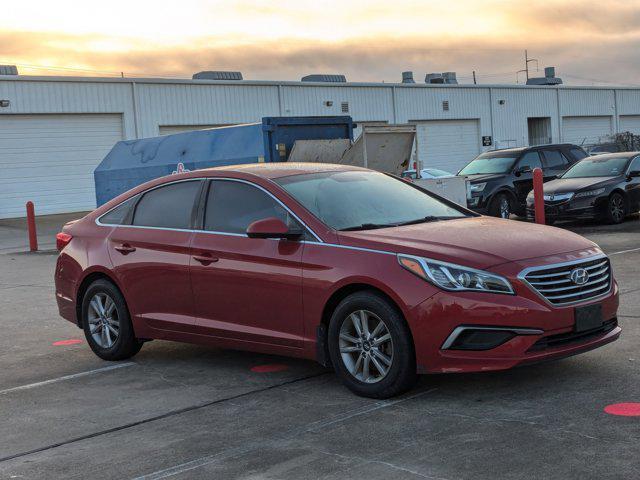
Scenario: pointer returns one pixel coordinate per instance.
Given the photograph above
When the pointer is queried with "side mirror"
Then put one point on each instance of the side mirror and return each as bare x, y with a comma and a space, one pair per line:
272, 228
523, 169
634, 173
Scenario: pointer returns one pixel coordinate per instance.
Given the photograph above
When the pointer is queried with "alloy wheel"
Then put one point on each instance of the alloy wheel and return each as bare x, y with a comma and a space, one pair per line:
617, 208
366, 346
505, 209
104, 324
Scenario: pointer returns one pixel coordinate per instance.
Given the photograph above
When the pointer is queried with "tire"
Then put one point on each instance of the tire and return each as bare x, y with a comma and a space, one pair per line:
616, 208
100, 329
350, 353
501, 206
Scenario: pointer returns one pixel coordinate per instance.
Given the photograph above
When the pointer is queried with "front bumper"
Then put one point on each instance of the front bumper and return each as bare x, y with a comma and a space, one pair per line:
575, 209
547, 330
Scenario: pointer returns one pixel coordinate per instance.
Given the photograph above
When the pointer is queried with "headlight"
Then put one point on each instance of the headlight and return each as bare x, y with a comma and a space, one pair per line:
589, 193
477, 187
449, 276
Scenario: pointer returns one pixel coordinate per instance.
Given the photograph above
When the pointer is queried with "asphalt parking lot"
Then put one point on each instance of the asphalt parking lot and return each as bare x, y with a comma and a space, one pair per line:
185, 411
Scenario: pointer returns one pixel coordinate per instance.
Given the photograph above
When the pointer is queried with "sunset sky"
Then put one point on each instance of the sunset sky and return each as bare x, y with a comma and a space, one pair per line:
590, 42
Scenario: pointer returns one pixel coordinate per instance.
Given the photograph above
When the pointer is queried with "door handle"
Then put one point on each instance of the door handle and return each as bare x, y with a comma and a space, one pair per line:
125, 249
205, 259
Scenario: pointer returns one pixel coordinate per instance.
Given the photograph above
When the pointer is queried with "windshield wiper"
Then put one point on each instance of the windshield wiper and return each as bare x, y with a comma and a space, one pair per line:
368, 226
428, 218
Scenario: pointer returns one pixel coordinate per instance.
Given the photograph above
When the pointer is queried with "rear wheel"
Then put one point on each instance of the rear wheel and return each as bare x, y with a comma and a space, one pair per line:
616, 208
106, 322
371, 346
501, 206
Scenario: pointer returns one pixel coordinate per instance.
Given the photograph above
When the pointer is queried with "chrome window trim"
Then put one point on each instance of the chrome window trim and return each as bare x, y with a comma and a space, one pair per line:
99, 223
528, 270
458, 330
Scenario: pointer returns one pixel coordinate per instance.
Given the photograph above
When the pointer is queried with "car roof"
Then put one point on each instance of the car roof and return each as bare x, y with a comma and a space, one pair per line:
607, 156
282, 169
521, 149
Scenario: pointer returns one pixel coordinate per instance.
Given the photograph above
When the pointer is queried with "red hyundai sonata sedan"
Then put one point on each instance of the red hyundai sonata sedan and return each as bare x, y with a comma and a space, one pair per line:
350, 267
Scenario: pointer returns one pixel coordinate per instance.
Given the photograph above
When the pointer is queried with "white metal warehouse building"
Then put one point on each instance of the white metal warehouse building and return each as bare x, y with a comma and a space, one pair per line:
55, 130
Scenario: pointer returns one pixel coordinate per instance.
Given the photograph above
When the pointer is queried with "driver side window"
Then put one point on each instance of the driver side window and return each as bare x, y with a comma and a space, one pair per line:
232, 206
531, 160
635, 165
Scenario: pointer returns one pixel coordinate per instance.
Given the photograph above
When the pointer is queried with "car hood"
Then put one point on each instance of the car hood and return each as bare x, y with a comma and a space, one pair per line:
566, 185
477, 242
484, 177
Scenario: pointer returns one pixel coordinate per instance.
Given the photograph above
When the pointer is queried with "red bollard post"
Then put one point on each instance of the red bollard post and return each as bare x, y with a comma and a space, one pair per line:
31, 226
538, 195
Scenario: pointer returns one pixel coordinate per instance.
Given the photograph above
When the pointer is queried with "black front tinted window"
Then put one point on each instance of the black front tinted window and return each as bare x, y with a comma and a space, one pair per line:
118, 215
554, 159
597, 166
233, 206
169, 206
531, 160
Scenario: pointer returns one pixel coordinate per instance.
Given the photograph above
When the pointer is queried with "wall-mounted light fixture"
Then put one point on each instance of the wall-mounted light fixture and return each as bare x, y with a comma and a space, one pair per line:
4, 103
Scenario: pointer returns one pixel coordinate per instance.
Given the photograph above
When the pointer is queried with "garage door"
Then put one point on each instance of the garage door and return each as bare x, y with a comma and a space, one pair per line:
50, 159
171, 129
447, 144
630, 123
586, 130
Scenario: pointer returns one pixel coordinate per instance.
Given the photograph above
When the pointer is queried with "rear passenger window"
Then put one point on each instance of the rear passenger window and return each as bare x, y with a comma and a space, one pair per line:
233, 206
169, 206
118, 215
577, 153
554, 158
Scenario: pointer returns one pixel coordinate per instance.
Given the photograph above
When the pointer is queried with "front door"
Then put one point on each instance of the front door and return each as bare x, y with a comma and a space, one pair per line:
523, 182
151, 256
246, 289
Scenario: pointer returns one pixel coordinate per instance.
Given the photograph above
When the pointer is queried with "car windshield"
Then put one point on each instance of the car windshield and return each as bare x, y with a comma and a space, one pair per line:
489, 163
597, 167
364, 200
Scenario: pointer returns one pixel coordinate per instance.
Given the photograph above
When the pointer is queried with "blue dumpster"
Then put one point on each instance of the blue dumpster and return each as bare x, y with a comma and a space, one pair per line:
132, 162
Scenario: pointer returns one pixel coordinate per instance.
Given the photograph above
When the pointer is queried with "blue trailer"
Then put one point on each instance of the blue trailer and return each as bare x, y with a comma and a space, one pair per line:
132, 162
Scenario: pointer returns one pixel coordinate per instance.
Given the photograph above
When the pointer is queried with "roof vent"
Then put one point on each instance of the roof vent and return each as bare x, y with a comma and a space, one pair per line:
407, 77
217, 75
450, 78
321, 77
8, 70
433, 78
548, 79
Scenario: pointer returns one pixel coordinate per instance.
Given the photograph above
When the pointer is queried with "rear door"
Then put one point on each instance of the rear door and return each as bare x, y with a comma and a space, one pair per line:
151, 255
246, 289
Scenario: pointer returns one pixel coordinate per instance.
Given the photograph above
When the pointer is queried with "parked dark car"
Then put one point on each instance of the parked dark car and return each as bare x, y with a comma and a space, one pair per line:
605, 187
602, 148
501, 179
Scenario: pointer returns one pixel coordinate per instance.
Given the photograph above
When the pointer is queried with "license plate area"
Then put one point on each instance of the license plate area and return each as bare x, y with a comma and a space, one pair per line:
588, 317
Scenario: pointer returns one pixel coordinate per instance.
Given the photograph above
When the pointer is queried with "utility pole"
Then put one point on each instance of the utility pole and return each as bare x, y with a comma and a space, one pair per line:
474, 78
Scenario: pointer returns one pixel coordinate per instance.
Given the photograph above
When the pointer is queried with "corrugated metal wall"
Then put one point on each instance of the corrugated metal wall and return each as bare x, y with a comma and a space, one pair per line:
501, 112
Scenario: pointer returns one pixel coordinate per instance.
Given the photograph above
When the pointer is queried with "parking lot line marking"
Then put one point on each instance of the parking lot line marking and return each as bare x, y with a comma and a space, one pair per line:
66, 377
258, 444
155, 418
625, 251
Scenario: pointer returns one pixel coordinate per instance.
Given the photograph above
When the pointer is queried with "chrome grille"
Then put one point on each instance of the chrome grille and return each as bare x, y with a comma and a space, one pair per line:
554, 283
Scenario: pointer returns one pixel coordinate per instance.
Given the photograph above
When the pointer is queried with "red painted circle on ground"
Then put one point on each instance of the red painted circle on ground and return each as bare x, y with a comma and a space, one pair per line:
624, 409
268, 368
71, 341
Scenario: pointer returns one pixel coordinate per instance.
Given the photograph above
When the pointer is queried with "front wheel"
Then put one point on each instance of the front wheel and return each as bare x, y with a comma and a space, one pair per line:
616, 208
106, 322
371, 346
501, 206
